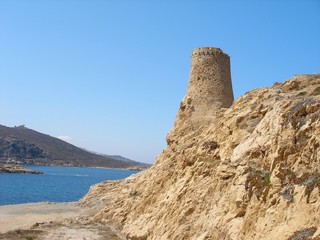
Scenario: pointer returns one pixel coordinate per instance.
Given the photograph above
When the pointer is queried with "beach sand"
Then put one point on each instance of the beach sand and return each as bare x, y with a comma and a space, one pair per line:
26, 215
46, 220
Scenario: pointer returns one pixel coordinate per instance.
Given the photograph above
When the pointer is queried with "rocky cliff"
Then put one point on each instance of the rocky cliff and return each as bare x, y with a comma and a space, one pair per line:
253, 172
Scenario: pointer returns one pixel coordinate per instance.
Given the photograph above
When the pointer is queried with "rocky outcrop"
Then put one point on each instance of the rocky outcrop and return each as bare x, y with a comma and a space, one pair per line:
253, 172
15, 148
9, 168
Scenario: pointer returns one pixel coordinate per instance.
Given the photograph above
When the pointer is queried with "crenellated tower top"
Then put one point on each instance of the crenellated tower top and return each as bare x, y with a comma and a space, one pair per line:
209, 86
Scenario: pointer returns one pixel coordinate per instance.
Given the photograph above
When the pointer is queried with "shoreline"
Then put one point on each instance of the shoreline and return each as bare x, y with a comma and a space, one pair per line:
52, 221
21, 216
16, 168
129, 169
35, 203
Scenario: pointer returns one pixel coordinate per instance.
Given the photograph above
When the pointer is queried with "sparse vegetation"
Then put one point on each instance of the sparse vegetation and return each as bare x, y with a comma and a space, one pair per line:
276, 84
287, 193
23, 234
297, 114
303, 234
134, 193
258, 183
312, 182
289, 179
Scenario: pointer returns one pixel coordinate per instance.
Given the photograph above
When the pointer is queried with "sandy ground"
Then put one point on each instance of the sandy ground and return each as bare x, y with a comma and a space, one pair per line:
56, 221
26, 215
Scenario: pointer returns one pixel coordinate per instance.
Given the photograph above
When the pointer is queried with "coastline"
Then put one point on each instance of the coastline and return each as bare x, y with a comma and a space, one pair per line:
95, 167
22, 216
17, 168
52, 221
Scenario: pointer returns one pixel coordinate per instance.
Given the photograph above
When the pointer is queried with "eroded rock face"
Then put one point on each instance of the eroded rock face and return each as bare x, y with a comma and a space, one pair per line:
252, 173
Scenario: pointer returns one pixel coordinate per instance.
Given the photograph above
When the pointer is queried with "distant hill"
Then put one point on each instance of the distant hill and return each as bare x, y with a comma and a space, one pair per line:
120, 158
26, 146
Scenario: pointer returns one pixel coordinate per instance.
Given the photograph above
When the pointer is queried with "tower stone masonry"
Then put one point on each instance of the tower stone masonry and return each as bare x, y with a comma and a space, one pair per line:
209, 87
210, 80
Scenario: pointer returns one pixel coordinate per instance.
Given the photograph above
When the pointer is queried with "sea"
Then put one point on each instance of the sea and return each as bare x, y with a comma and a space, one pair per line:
57, 184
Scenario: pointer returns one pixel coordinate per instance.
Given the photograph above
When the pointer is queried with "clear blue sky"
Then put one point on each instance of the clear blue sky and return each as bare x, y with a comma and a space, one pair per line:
110, 75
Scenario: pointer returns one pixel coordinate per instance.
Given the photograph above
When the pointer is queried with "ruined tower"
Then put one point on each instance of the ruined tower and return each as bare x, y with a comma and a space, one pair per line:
210, 79
209, 87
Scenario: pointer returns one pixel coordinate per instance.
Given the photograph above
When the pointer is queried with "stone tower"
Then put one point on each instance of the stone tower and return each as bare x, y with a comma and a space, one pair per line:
209, 87
210, 79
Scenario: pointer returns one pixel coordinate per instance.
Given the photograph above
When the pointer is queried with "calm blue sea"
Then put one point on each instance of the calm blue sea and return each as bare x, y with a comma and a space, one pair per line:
57, 184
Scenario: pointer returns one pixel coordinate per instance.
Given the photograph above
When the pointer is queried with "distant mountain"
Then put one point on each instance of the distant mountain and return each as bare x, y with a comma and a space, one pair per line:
26, 146
119, 158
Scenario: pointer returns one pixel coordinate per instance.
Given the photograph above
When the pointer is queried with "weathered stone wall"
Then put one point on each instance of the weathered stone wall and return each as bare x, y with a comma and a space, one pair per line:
210, 80
209, 89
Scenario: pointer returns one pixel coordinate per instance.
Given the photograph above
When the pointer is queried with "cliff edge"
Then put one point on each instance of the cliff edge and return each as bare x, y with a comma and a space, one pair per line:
251, 172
